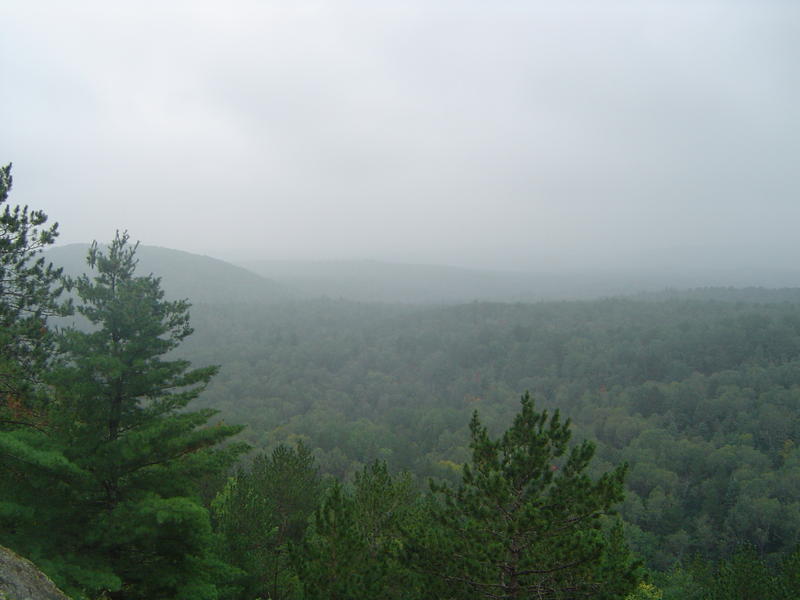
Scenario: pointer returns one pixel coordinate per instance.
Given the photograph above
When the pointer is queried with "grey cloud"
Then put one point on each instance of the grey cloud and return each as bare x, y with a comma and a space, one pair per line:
519, 135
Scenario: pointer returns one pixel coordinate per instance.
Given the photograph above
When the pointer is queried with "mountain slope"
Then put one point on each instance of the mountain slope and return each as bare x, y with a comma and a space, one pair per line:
373, 281
201, 279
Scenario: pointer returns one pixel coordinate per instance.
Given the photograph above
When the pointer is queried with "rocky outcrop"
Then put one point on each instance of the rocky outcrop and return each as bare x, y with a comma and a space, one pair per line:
21, 580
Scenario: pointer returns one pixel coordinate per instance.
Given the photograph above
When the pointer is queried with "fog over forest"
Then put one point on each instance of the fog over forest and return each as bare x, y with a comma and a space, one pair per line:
658, 136
379, 300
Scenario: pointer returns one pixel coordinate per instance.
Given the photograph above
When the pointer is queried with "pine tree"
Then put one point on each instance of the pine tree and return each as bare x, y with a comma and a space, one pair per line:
527, 521
745, 576
354, 545
122, 514
261, 512
29, 292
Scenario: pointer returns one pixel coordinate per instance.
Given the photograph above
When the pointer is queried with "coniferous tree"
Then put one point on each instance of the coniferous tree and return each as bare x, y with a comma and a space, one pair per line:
745, 575
122, 514
526, 520
261, 512
788, 580
29, 292
353, 548
331, 565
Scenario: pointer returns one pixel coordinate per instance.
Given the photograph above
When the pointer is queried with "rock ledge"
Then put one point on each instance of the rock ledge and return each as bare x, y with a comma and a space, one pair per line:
21, 580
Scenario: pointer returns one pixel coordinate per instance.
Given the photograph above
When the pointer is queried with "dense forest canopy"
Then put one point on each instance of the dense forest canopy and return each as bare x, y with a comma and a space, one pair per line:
699, 397
696, 390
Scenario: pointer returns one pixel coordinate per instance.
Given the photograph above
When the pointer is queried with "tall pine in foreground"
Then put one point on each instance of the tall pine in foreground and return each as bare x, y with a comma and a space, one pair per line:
29, 293
118, 511
526, 521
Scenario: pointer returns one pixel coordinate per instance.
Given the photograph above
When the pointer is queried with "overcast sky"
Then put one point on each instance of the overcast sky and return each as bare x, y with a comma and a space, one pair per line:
538, 135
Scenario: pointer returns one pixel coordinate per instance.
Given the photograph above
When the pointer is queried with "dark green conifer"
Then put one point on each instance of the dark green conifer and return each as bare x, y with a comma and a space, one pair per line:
113, 499
29, 292
262, 511
353, 548
527, 521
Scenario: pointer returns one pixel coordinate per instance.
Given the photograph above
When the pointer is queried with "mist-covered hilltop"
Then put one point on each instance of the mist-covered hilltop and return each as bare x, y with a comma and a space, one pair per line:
203, 278
186, 275
376, 281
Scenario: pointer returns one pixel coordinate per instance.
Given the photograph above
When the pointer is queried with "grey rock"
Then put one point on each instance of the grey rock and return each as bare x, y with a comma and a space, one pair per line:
21, 580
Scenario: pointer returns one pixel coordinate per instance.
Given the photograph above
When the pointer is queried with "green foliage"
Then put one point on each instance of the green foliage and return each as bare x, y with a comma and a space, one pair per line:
111, 482
29, 294
645, 591
682, 583
29, 291
118, 380
698, 397
788, 580
261, 512
745, 575
354, 546
742, 577
526, 520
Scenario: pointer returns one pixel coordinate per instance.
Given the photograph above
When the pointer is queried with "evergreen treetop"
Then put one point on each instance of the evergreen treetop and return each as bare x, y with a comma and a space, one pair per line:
29, 292
527, 521
111, 486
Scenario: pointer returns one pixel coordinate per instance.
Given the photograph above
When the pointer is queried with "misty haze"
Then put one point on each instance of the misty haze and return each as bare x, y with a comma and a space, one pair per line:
381, 300
610, 135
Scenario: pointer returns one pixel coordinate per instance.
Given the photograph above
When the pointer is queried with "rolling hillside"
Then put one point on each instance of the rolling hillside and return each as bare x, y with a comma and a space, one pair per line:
201, 279
375, 281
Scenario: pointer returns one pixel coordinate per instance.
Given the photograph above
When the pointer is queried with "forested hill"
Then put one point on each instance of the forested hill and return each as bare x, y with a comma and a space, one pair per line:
701, 398
206, 279
753, 295
374, 281
186, 275
699, 392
